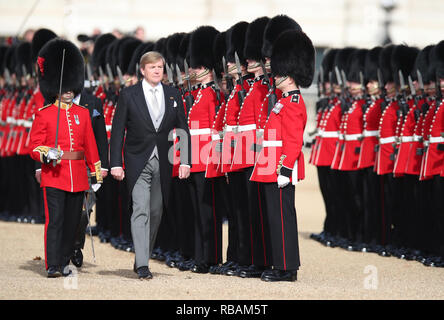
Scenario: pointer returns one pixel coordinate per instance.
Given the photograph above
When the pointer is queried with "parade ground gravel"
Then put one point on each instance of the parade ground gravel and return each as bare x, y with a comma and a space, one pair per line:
325, 273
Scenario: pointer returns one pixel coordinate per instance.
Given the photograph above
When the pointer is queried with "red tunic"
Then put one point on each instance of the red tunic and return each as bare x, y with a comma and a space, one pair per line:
385, 161
328, 135
244, 155
283, 141
75, 134
352, 137
370, 135
200, 120
427, 123
405, 140
231, 115
434, 156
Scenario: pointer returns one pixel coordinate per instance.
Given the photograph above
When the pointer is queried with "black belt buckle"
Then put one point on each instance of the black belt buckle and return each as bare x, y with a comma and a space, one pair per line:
419, 151
377, 148
357, 150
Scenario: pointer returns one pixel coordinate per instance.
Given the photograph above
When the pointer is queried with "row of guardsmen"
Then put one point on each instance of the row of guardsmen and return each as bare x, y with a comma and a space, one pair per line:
379, 151
237, 113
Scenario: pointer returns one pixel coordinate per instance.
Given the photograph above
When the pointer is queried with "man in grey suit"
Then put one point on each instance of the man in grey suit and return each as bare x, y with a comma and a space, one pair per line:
149, 111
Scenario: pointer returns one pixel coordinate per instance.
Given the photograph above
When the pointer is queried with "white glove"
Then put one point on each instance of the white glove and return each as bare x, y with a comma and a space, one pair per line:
282, 181
54, 154
96, 186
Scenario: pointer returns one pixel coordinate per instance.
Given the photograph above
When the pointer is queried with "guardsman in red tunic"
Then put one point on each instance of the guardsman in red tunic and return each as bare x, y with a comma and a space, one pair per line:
208, 229
327, 137
371, 181
254, 236
235, 40
64, 176
280, 165
352, 132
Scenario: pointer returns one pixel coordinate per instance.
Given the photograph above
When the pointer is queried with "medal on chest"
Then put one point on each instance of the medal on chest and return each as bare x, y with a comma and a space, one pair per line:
76, 119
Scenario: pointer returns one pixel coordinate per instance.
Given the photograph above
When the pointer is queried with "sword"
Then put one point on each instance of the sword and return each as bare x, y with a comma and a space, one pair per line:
101, 75
421, 83
266, 79
412, 87
54, 162
403, 101
89, 225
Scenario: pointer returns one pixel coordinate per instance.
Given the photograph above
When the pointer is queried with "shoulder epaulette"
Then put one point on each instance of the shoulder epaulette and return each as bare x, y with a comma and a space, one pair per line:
44, 107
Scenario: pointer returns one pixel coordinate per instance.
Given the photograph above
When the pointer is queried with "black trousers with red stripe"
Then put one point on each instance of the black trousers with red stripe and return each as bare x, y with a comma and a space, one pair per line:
62, 212
207, 227
259, 237
281, 214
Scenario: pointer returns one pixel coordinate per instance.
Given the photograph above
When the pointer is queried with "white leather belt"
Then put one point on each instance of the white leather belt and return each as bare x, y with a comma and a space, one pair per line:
246, 127
20, 122
27, 124
353, 137
372, 133
108, 127
10, 120
387, 140
436, 139
229, 128
196, 132
407, 139
272, 143
417, 138
215, 137
329, 134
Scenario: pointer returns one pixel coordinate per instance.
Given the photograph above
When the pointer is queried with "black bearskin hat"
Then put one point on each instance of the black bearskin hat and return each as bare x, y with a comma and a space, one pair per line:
327, 63
439, 55
172, 46
100, 48
293, 55
183, 53
126, 51
40, 38
341, 62
372, 64
3, 49
49, 68
23, 58
138, 53
254, 38
385, 63
403, 59
219, 51
236, 41
356, 66
422, 64
201, 47
274, 28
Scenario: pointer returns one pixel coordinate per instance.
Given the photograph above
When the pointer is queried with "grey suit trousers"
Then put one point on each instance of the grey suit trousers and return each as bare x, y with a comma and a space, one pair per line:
147, 211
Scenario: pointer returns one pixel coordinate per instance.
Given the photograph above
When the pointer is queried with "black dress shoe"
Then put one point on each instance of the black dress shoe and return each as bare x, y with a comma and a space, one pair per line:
54, 272
279, 275
77, 258
144, 273
185, 265
200, 268
230, 270
252, 272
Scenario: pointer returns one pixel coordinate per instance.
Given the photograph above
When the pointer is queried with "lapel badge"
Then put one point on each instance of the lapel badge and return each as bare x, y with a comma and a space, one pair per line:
277, 108
76, 118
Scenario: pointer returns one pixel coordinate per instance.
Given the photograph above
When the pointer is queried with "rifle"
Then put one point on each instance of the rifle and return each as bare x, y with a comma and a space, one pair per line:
169, 74
241, 93
227, 76
402, 100
120, 75
217, 90
179, 79
385, 102
189, 99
